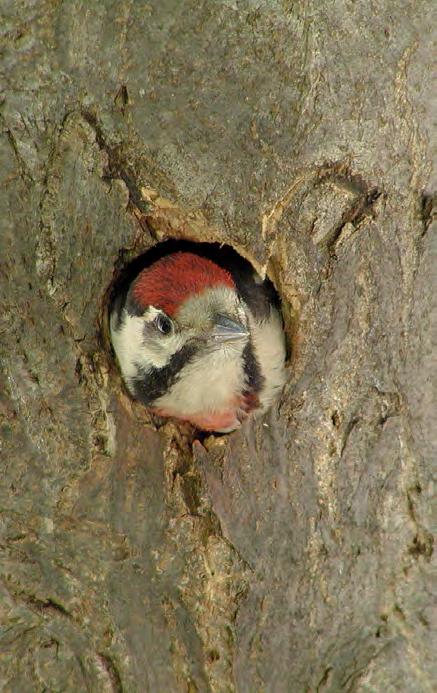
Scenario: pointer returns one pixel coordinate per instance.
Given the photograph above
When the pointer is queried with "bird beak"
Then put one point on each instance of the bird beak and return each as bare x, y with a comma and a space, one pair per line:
227, 330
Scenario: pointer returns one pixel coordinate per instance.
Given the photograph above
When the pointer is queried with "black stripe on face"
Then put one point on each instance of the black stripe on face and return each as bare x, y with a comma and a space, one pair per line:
150, 385
116, 310
133, 307
254, 378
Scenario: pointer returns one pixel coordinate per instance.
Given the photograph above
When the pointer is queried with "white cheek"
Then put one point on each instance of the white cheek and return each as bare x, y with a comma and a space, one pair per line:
127, 343
269, 344
157, 352
133, 350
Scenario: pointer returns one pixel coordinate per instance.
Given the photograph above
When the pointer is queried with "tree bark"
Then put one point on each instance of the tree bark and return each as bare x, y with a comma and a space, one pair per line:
294, 555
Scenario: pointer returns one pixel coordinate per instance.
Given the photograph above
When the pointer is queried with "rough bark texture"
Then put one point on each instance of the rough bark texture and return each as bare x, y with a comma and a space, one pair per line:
294, 555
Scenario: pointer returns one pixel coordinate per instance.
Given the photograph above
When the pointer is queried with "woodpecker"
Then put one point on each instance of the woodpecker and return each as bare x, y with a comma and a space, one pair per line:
200, 342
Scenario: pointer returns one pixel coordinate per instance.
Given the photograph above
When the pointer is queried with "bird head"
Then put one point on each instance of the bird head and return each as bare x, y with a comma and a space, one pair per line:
181, 302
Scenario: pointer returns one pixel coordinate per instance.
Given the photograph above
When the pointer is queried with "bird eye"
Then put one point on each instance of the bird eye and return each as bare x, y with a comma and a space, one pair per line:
163, 324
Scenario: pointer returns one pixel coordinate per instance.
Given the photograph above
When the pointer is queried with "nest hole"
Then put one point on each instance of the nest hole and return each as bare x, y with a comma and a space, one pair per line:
222, 254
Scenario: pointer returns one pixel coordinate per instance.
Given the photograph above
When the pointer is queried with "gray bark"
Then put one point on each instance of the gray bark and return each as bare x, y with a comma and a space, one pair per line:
296, 554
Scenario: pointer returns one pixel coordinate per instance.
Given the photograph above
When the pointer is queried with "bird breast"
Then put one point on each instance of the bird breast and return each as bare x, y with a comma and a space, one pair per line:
209, 383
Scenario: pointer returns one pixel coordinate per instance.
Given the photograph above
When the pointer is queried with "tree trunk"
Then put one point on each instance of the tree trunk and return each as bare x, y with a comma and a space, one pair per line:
294, 555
